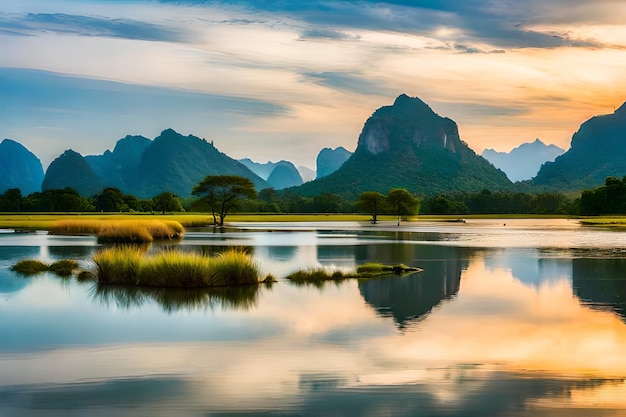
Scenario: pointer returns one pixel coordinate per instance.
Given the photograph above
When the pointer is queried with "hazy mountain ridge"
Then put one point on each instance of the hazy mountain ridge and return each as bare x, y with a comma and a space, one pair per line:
279, 175
19, 168
524, 161
408, 145
598, 150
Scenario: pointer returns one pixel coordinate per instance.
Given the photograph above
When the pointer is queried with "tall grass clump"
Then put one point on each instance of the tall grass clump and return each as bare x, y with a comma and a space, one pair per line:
118, 265
236, 267
176, 269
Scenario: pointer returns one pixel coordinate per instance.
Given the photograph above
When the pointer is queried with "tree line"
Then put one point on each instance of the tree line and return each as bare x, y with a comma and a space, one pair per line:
226, 193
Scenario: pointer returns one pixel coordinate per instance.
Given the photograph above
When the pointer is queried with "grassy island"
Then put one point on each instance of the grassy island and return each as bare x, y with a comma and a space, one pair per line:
63, 267
120, 231
129, 266
368, 270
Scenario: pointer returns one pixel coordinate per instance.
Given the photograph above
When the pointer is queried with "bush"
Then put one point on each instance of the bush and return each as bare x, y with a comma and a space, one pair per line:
30, 266
64, 267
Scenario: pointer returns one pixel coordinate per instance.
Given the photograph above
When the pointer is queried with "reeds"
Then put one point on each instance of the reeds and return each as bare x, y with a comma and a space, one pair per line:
127, 265
121, 231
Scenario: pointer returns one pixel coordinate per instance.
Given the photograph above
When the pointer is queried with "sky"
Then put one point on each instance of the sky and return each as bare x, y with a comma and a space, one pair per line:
282, 79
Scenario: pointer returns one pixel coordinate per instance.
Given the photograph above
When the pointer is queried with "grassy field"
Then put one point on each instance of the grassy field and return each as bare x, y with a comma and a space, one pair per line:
38, 221
47, 221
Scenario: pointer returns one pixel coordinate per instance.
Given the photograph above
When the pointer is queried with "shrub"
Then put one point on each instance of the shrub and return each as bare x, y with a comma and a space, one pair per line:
30, 266
64, 267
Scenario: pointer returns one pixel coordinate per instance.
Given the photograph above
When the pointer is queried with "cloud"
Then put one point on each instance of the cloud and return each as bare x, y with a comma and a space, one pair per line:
42, 108
35, 23
350, 82
499, 25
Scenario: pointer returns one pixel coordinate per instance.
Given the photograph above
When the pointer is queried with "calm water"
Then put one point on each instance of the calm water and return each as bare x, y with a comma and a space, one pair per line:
509, 318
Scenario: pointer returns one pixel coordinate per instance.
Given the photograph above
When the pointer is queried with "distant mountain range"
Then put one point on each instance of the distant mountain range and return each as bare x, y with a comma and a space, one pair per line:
144, 168
402, 145
523, 162
279, 175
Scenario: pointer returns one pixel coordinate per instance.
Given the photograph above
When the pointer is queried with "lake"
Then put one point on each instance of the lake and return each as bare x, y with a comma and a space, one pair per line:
508, 318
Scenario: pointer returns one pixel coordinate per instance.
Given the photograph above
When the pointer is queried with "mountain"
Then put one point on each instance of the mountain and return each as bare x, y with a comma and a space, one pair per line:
120, 166
307, 174
71, 169
19, 168
176, 163
329, 160
523, 162
144, 168
284, 175
408, 145
597, 150
262, 170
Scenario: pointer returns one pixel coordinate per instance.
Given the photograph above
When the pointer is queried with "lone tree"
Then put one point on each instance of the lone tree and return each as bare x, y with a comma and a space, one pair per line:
167, 202
223, 193
372, 202
402, 202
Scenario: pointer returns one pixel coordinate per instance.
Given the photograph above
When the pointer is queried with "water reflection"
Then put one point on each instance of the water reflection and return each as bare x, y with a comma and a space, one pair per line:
481, 332
410, 298
601, 283
173, 300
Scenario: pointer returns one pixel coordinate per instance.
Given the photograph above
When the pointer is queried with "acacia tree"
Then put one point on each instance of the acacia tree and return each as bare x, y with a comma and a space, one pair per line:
372, 202
167, 202
223, 192
402, 202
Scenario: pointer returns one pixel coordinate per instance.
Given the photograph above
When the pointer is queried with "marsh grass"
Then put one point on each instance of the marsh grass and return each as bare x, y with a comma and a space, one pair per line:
30, 267
118, 265
176, 269
64, 267
316, 274
367, 270
120, 231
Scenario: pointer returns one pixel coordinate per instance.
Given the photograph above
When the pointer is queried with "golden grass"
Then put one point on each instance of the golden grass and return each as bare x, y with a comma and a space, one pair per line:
120, 231
128, 265
44, 221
